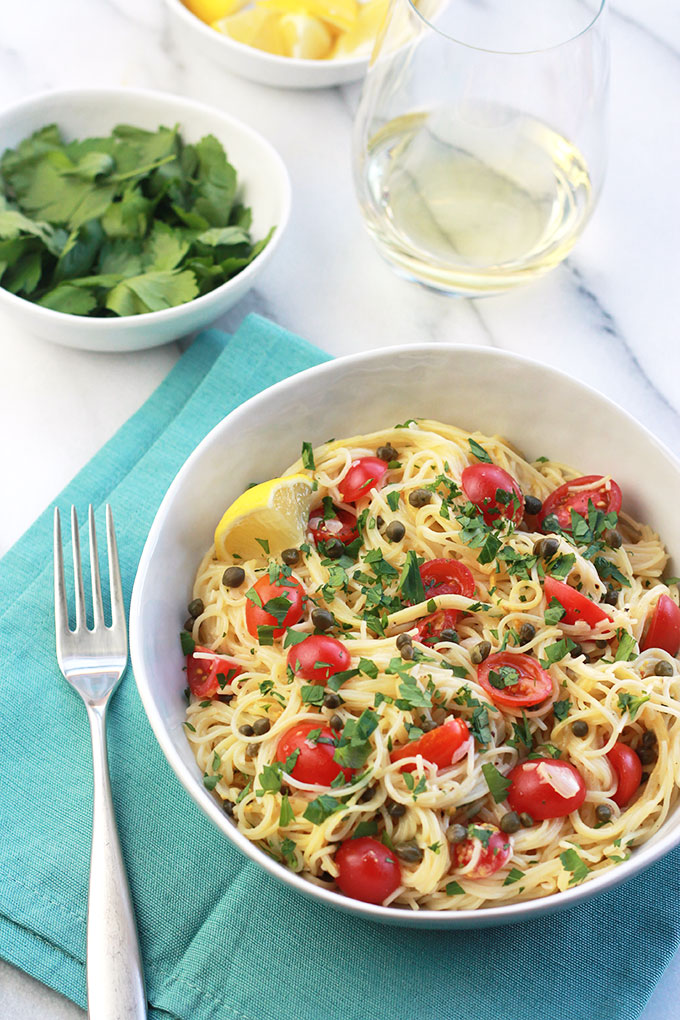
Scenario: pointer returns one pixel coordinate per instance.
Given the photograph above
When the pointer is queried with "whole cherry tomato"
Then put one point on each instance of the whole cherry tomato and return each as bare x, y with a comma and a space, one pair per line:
368, 870
546, 788
280, 604
318, 657
494, 491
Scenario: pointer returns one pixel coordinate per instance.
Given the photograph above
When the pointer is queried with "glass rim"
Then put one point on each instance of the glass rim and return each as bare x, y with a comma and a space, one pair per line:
510, 53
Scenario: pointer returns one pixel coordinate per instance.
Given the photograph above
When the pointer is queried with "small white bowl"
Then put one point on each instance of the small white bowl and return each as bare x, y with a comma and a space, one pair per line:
540, 410
263, 183
194, 37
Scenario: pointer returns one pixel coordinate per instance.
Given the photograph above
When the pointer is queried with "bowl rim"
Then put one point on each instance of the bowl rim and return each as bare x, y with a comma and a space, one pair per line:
642, 858
203, 301
273, 59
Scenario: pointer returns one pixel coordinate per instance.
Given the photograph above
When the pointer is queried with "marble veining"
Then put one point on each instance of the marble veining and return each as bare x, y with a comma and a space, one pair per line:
608, 315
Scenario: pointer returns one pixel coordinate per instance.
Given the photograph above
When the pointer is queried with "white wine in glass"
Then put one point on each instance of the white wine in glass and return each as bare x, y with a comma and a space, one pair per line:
476, 168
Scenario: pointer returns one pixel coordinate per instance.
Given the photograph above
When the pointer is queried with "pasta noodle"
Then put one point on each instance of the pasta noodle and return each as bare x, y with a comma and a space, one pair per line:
614, 699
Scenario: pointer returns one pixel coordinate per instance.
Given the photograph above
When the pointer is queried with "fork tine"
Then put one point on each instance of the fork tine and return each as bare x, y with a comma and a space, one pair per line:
117, 604
97, 607
60, 604
81, 616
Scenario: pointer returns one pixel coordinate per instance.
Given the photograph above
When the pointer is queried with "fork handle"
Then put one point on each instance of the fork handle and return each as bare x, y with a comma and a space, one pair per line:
115, 979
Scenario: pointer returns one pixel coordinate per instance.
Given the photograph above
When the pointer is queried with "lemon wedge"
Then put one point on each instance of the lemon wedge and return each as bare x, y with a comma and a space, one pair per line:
275, 512
213, 10
305, 36
255, 26
340, 14
361, 37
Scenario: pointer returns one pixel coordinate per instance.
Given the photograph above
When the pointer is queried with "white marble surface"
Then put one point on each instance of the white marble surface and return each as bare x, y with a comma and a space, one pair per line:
609, 315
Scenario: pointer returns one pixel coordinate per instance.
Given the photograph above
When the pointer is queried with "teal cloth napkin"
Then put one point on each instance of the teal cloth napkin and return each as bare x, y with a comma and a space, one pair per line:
221, 938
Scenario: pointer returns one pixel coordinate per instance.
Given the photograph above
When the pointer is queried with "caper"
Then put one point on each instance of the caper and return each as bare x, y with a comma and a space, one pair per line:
603, 812
403, 639
648, 738
246, 730
663, 668
387, 453
409, 852
601, 643
481, 650
395, 531
439, 715
290, 557
532, 505
228, 807
456, 833
527, 632
251, 750
395, 809
406, 652
576, 650
331, 701
379, 521
337, 722
224, 698
448, 634
261, 726
427, 724
613, 539
647, 755
188, 624
325, 876
233, 577
643, 778
579, 728
526, 821
510, 822
322, 619
612, 596
420, 497
195, 607
334, 548
546, 548
366, 794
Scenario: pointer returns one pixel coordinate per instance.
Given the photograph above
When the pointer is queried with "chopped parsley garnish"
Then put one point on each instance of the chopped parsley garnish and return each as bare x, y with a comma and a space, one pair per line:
561, 565
354, 745
415, 788
631, 703
265, 634
521, 733
557, 651
189, 726
264, 542
606, 569
287, 814
336, 681
368, 668
479, 452
483, 835
321, 808
454, 889
627, 646
187, 642
244, 792
561, 709
367, 828
307, 456
504, 676
513, 876
576, 865
410, 581
393, 499
210, 782
497, 783
312, 694
554, 612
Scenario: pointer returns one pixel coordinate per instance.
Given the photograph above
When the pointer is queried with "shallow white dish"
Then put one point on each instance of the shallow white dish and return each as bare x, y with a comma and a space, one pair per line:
196, 39
263, 181
540, 410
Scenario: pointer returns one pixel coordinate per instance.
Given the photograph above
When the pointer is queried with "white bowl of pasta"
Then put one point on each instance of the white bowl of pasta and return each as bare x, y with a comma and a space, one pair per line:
456, 702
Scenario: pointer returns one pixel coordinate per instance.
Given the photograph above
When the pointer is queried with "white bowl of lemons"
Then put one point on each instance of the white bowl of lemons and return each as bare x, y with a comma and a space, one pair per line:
299, 44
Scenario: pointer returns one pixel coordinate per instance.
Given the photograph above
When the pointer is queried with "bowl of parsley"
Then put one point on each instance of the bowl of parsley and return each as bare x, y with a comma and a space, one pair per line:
130, 218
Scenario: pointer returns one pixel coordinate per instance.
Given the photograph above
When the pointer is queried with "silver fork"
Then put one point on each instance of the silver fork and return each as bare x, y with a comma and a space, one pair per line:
93, 662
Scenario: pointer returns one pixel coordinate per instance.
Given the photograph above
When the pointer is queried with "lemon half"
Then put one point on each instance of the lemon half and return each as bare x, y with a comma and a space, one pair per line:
276, 512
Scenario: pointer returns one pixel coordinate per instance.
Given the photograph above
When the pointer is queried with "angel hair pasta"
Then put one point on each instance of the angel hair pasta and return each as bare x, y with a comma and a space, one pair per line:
458, 689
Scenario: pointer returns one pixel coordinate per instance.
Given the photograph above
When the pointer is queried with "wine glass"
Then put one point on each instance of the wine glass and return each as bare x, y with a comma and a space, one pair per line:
479, 142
